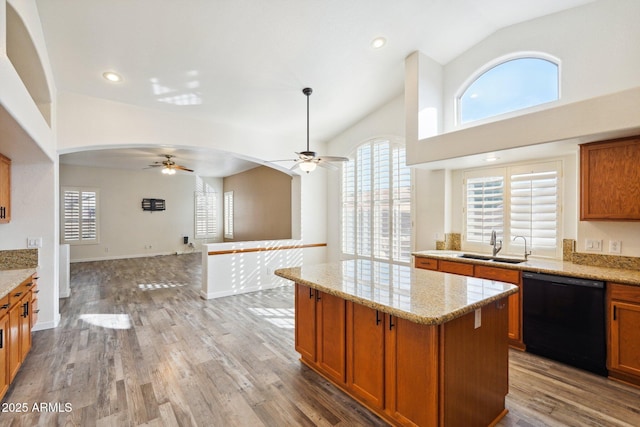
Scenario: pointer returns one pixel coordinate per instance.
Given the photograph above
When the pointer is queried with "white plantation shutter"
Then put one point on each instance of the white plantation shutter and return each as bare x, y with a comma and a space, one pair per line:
520, 200
79, 215
484, 207
376, 203
534, 205
228, 214
205, 210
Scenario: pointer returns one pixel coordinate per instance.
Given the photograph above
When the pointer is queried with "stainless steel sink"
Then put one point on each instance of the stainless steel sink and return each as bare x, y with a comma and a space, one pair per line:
492, 258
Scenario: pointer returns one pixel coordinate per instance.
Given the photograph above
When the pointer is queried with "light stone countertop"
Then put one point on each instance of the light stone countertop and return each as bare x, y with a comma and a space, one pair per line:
421, 296
9, 279
549, 266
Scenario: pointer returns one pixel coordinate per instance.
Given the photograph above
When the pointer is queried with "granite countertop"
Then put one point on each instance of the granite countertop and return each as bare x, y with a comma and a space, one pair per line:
421, 296
9, 279
550, 266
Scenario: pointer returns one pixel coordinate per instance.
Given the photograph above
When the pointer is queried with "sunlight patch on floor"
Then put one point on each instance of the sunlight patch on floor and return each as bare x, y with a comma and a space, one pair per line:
109, 321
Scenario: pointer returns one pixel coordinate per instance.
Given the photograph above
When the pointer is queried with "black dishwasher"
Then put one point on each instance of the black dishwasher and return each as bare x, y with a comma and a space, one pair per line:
564, 319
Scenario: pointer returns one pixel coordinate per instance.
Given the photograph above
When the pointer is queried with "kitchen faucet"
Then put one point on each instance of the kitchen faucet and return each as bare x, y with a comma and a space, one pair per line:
526, 254
497, 244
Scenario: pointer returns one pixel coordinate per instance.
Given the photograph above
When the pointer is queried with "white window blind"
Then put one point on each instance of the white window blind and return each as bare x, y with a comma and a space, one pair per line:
484, 207
519, 200
376, 203
79, 215
228, 214
534, 206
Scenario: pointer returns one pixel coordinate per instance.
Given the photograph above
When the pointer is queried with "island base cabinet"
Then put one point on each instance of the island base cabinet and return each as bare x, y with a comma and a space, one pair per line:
411, 372
320, 331
365, 354
453, 374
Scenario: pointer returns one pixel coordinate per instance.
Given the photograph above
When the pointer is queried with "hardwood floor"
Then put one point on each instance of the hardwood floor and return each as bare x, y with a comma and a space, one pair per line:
137, 346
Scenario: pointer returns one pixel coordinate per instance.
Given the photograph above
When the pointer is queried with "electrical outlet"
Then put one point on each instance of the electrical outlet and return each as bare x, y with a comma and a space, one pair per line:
593, 245
615, 246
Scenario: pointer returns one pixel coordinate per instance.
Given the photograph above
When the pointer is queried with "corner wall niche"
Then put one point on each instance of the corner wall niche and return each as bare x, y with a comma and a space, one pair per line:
25, 59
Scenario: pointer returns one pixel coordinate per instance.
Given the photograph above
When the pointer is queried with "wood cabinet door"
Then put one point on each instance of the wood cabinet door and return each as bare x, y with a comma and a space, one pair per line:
5, 189
515, 300
25, 326
14, 358
610, 180
365, 354
331, 333
305, 319
411, 372
625, 337
4, 378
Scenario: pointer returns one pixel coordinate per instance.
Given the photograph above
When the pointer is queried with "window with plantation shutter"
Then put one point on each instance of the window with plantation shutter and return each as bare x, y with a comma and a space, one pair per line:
520, 200
534, 205
205, 210
376, 203
228, 215
79, 215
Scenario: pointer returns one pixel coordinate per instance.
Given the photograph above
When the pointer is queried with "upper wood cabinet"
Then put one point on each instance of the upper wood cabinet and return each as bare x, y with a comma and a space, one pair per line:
610, 180
5, 189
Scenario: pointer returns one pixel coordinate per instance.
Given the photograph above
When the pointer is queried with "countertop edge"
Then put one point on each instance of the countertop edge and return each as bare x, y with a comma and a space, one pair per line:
423, 320
10, 279
565, 268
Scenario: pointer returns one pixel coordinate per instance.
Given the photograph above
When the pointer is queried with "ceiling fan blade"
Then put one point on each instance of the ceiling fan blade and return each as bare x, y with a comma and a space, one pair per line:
327, 165
333, 159
182, 168
283, 160
295, 166
154, 166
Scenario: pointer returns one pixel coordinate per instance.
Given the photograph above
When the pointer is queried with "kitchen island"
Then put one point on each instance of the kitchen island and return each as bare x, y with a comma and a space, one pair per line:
417, 347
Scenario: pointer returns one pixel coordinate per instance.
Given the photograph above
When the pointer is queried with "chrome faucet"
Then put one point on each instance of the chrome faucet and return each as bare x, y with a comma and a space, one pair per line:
526, 254
497, 244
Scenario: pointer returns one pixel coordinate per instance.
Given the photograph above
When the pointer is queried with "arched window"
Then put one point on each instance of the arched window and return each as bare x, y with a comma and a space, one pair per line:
376, 203
511, 85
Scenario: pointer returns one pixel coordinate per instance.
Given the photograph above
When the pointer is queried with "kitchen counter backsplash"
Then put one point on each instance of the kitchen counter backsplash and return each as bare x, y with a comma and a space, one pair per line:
15, 259
597, 260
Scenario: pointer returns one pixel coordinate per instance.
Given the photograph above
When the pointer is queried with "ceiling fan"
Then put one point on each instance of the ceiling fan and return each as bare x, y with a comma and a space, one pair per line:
308, 160
169, 167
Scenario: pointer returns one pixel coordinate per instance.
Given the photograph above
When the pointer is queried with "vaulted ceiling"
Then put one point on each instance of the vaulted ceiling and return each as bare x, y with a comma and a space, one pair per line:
244, 62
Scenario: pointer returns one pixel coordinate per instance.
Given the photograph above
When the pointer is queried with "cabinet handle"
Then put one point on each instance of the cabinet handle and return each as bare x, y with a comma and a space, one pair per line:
615, 310
1, 338
2, 212
25, 309
4, 306
391, 325
29, 284
18, 294
378, 320
36, 291
310, 293
318, 296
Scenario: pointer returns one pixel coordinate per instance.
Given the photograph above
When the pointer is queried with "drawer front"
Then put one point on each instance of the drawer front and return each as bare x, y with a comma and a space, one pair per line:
624, 292
4, 305
499, 274
456, 268
426, 263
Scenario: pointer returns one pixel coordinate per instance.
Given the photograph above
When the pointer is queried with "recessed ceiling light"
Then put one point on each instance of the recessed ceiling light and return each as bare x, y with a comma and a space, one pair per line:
491, 159
112, 77
378, 42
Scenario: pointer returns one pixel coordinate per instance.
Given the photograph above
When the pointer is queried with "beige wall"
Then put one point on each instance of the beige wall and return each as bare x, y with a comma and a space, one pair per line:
262, 204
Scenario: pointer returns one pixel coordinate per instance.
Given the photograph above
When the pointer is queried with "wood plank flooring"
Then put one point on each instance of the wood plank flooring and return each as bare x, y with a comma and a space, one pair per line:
138, 347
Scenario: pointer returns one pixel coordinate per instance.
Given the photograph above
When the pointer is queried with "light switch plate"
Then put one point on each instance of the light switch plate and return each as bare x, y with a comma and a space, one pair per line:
593, 245
34, 242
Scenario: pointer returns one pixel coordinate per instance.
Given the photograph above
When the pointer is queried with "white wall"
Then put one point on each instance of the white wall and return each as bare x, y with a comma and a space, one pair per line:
125, 229
596, 44
27, 139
